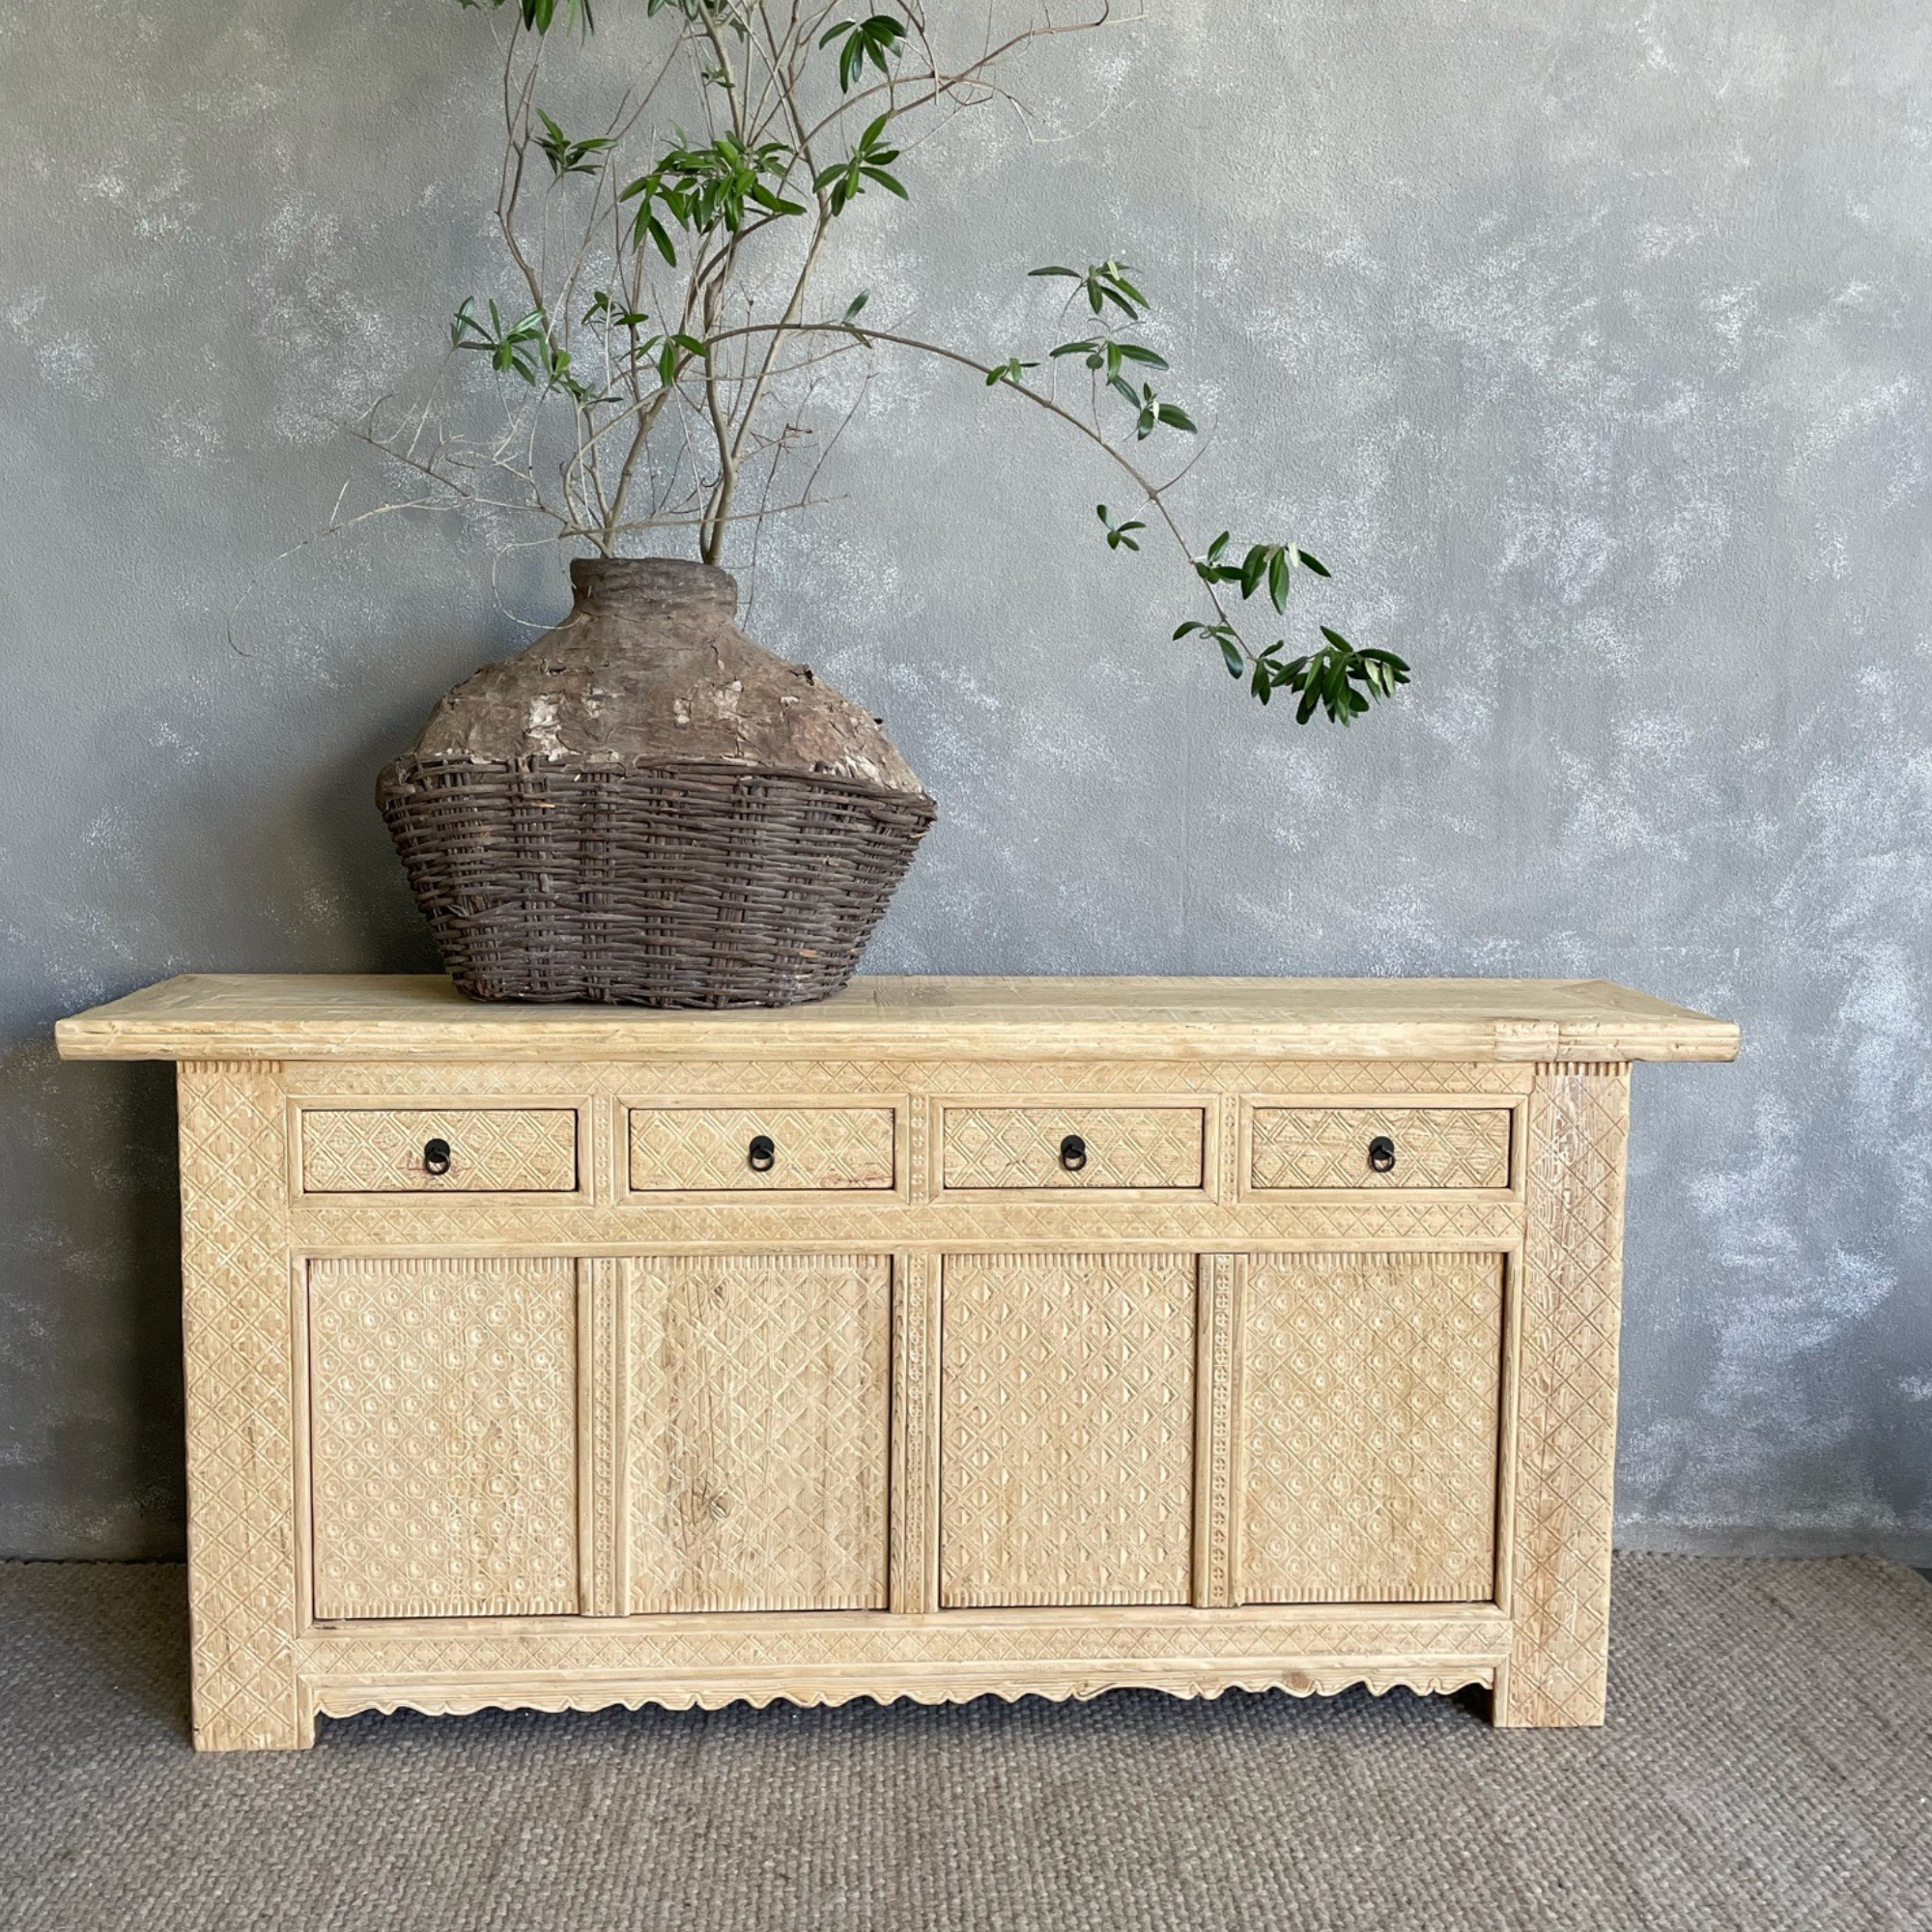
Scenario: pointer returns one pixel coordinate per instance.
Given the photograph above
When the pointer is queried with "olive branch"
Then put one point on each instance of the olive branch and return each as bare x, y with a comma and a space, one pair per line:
650, 379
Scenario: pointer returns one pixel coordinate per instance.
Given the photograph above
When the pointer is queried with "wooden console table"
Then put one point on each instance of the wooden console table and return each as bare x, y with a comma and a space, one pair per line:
952, 1336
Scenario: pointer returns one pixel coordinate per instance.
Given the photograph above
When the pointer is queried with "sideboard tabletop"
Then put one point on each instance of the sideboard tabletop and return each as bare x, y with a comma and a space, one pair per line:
234, 1017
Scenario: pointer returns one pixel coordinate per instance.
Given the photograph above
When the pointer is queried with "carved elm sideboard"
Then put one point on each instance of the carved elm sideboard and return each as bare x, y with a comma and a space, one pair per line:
951, 1336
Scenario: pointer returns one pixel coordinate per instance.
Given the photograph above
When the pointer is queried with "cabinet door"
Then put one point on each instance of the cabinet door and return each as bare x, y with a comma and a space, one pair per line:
1369, 1408
760, 1394
1066, 1404
442, 1408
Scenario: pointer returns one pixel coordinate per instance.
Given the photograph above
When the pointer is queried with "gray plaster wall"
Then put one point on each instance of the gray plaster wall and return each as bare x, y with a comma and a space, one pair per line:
1586, 339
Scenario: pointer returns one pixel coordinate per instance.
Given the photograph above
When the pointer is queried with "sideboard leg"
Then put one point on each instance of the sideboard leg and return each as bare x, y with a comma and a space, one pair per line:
1570, 1294
237, 1326
222, 1734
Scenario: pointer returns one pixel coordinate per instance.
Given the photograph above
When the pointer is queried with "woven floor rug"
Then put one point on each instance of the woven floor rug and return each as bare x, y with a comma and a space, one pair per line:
1767, 1764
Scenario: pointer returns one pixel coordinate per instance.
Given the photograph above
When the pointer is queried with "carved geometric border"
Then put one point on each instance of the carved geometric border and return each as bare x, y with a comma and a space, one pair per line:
673, 1078
1572, 1279
842, 1222
914, 1476
604, 1372
237, 1322
1217, 1364
710, 1646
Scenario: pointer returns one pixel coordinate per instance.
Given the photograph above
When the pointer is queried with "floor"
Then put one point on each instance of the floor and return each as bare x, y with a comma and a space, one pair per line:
1767, 1764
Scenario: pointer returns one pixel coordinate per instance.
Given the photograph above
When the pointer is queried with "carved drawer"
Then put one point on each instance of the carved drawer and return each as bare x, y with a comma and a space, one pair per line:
1074, 1146
760, 1148
445, 1151
1380, 1147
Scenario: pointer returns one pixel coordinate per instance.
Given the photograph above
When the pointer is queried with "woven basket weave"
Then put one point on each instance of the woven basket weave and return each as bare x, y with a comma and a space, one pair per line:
673, 885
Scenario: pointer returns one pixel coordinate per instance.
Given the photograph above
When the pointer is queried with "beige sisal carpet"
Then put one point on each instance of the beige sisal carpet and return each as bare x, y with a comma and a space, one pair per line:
1768, 1764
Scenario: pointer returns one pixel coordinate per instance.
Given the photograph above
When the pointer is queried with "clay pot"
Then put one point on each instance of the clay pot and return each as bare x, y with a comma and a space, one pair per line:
647, 806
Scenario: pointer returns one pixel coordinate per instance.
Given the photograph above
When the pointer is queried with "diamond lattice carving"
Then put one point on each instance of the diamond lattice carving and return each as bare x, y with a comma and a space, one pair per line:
1370, 1424
1572, 1295
839, 1079
1126, 1147
804, 1643
883, 1221
1067, 1427
443, 1406
492, 1150
1435, 1146
813, 1147
240, 1454
1146, 1422
759, 1468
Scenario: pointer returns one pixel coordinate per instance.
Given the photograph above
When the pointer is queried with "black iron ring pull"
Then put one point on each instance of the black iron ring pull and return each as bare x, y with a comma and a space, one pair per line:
436, 1156
1381, 1154
762, 1154
1074, 1154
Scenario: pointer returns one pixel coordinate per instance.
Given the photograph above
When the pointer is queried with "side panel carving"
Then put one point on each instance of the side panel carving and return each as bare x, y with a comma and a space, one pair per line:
240, 1351
1567, 1406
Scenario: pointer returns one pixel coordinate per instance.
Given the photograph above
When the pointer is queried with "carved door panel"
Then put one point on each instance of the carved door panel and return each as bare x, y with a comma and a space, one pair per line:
443, 1410
1066, 1428
1370, 1415
757, 1431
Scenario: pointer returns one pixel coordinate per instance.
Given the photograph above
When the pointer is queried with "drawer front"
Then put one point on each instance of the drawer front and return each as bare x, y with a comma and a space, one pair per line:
1428, 1147
712, 1148
1074, 1146
391, 1150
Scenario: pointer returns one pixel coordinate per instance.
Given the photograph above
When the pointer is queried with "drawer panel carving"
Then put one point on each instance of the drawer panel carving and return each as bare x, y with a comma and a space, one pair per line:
1066, 1404
1074, 1146
760, 1394
1386, 1147
773, 1148
453, 1151
1369, 1418
443, 1425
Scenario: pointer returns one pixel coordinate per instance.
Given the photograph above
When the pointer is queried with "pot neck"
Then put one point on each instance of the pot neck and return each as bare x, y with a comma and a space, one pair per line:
654, 586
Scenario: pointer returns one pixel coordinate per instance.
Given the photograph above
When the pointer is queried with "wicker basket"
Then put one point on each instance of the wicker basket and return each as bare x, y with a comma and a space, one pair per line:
669, 886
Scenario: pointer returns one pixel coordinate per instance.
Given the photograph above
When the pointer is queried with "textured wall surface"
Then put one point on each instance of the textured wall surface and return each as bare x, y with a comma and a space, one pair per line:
1586, 339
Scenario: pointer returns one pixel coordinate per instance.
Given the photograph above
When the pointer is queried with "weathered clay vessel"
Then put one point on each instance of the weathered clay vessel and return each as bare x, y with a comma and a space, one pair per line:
647, 806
